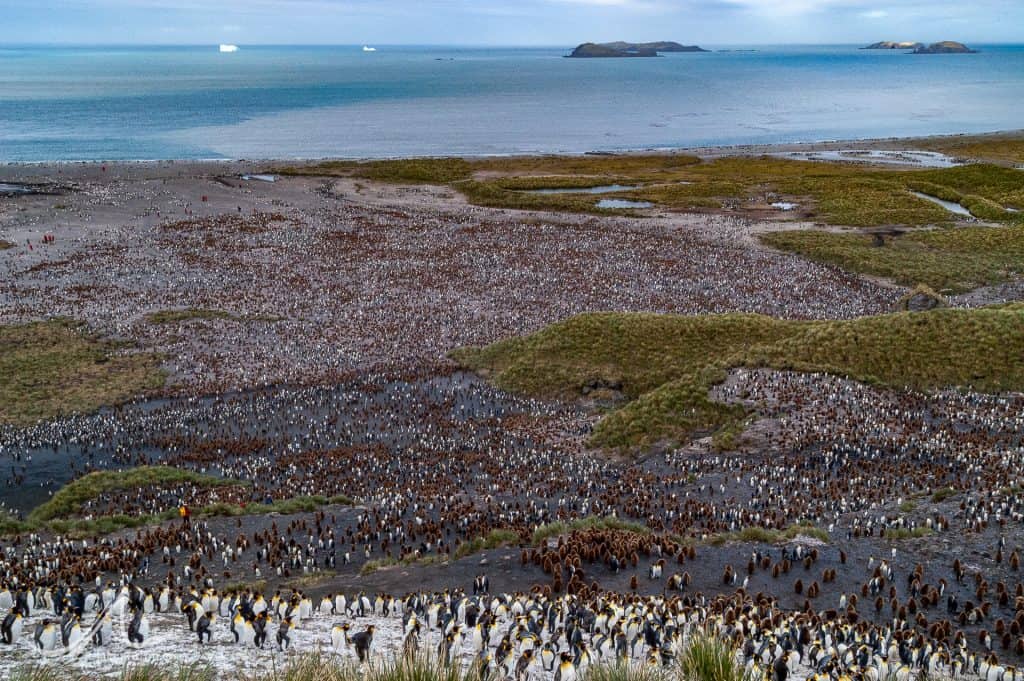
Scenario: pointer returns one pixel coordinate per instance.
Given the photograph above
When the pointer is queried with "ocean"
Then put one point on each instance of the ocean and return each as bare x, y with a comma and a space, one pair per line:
120, 103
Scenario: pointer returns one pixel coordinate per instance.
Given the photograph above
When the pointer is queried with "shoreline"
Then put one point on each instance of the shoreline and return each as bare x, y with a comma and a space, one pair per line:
706, 151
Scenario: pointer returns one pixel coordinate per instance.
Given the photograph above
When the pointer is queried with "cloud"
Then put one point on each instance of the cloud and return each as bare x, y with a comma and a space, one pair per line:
875, 14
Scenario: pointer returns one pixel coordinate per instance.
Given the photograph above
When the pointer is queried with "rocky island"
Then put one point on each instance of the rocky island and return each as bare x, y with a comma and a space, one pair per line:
624, 49
945, 47
891, 45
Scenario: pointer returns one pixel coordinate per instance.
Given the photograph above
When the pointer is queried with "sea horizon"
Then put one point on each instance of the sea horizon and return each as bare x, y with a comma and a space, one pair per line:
125, 102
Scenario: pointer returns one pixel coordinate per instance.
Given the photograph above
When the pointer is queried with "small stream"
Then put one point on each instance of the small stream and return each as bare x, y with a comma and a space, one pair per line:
948, 205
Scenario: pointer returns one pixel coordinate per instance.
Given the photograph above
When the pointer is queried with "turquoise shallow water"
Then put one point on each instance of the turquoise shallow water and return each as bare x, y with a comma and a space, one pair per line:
283, 102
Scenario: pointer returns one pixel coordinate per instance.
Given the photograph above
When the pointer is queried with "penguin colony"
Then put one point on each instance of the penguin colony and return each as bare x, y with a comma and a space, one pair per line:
332, 285
435, 458
518, 636
517, 469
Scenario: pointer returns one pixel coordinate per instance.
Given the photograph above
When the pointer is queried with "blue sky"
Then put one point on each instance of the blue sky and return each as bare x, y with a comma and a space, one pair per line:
507, 22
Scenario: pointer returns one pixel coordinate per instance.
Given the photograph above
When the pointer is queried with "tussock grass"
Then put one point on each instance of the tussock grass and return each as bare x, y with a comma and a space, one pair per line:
900, 533
634, 353
196, 671
421, 667
371, 566
493, 540
301, 504
706, 657
948, 260
673, 412
978, 349
622, 671
941, 495
557, 529
52, 368
664, 365
58, 514
70, 498
762, 535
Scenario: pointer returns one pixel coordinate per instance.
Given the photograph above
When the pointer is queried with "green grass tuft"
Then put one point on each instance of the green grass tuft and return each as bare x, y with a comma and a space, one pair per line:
706, 657
763, 535
900, 533
622, 671
493, 540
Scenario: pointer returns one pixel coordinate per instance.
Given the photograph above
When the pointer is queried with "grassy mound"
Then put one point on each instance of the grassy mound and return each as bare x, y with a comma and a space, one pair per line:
632, 353
60, 513
664, 365
68, 501
953, 260
979, 349
52, 368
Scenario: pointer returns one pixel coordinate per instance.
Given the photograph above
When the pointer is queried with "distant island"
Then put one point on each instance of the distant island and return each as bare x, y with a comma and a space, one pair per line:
890, 45
623, 49
945, 47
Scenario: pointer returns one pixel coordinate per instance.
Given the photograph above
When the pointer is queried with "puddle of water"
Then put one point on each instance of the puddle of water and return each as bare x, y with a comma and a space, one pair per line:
923, 159
6, 188
604, 189
948, 205
785, 205
623, 203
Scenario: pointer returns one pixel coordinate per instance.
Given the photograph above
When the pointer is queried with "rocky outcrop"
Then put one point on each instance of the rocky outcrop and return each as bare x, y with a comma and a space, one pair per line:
661, 46
921, 299
624, 49
945, 47
890, 45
